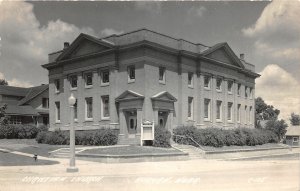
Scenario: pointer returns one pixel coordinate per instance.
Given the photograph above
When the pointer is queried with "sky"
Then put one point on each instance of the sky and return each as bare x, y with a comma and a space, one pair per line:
268, 33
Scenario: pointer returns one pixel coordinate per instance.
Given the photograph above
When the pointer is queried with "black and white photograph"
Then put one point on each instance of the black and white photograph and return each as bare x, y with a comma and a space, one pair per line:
150, 95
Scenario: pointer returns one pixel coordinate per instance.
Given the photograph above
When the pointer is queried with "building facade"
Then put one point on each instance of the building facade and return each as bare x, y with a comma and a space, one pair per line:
121, 80
26, 105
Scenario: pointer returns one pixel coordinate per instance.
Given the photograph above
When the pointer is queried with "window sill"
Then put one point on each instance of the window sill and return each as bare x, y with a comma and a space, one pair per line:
76, 120
131, 81
219, 91
57, 122
57, 92
230, 93
191, 120
73, 89
190, 86
89, 120
206, 119
162, 82
206, 88
105, 118
88, 86
104, 84
219, 121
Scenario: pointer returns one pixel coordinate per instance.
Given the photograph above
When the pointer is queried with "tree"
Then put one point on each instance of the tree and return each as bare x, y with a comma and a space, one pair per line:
3, 118
3, 82
264, 111
295, 119
278, 127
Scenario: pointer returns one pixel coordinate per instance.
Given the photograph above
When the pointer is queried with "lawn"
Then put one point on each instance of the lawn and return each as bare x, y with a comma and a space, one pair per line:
130, 150
10, 159
29, 146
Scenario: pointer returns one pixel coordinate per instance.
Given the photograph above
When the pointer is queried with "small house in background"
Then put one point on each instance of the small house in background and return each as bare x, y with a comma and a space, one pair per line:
26, 105
292, 135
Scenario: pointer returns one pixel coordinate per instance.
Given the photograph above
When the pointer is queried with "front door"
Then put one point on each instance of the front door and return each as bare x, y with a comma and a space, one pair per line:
132, 122
162, 118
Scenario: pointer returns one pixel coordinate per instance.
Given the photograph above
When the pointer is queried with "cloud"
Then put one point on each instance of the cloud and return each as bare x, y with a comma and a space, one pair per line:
280, 89
16, 82
197, 11
109, 31
25, 43
153, 7
276, 33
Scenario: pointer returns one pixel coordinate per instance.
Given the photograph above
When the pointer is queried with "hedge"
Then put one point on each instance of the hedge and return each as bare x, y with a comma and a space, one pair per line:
21, 131
218, 137
161, 137
92, 137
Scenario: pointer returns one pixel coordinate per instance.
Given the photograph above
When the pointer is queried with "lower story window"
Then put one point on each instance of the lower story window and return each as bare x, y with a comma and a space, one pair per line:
219, 110
229, 112
190, 107
105, 107
57, 114
89, 108
75, 110
295, 139
15, 120
207, 109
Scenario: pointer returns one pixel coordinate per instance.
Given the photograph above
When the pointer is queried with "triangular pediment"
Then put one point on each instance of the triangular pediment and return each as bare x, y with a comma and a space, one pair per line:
164, 96
129, 95
223, 53
84, 45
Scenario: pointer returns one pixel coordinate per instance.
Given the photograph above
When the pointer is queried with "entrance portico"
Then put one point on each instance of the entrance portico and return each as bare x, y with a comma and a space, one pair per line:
163, 108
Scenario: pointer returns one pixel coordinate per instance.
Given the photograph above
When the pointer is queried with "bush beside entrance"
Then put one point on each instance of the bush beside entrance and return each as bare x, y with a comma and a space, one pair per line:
217, 137
93, 137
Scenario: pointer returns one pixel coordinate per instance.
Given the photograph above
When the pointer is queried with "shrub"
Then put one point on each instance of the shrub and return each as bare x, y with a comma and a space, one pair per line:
11, 131
98, 137
161, 137
218, 137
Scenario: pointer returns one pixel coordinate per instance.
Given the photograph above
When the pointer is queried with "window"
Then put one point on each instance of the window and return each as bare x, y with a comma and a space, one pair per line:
219, 84
57, 113
15, 119
246, 92
105, 107
246, 116
88, 79
162, 75
239, 90
190, 107
229, 111
131, 73
207, 109
105, 77
250, 115
45, 102
207, 82
73, 81
219, 110
88, 108
239, 112
295, 139
75, 110
251, 93
190, 79
57, 85
229, 86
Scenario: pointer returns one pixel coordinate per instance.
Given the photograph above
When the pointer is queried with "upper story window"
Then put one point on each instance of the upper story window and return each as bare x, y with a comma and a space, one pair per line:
88, 77
207, 109
239, 90
105, 107
131, 73
190, 79
162, 75
219, 110
219, 84
45, 103
105, 77
246, 92
57, 85
190, 108
251, 93
73, 81
207, 82
229, 86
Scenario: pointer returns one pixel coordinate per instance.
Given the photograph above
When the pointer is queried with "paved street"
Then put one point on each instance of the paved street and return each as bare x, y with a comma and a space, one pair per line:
178, 175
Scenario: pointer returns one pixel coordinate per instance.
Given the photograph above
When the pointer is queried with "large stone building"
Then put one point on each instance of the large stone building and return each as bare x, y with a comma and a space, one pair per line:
120, 80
